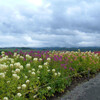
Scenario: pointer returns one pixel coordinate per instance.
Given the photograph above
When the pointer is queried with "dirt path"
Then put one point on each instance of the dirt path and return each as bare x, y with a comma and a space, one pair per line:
89, 90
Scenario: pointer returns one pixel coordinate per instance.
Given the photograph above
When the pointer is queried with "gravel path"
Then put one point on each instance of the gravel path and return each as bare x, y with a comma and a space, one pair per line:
89, 90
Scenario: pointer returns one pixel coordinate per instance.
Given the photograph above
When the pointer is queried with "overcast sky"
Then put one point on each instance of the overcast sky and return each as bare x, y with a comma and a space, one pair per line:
49, 23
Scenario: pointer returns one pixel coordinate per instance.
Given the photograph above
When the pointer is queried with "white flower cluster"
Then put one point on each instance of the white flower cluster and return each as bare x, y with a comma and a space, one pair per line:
35, 59
5, 98
21, 57
18, 65
59, 73
2, 75
28, 65
53, 70
15, 54
11, 65
27, 81
4, 59
29, 71
18, 87
49, 88
34, 96
12, 61
26, 76
2, 53
40, 66
15, 76
46, 63
3, 66
19, 94
28, 56
18, 56
24, 86
40, 59
38, 71
8, 81
48, 59
33, 69
48, 70
33, 73
17, 70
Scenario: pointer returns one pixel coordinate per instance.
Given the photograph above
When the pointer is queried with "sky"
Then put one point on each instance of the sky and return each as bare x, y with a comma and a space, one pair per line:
49, 23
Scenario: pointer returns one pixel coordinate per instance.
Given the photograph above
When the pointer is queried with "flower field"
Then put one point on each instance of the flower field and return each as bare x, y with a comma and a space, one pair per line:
37, 75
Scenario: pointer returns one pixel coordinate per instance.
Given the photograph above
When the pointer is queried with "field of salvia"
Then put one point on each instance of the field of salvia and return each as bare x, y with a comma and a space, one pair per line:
37, 75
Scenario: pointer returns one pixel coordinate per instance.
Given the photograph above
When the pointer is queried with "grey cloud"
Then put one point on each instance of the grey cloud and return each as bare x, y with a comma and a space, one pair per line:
55, 23
82, 15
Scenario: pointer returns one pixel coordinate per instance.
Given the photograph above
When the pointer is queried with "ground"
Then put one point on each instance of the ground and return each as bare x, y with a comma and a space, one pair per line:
89, 90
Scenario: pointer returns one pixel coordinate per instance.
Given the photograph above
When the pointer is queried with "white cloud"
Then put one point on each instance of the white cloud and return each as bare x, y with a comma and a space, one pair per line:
35, 2
86, 44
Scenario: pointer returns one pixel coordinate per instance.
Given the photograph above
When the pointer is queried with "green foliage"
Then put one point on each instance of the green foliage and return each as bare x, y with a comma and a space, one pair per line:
27, 77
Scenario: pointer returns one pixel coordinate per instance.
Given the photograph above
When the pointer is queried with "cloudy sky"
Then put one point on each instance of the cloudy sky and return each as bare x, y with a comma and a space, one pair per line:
49, 23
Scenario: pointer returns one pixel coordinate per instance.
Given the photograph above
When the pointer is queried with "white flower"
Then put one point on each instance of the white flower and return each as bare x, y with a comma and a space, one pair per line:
11, 65
6, 56
27, 81
40, 59
53, 70
13, 71
17, 70
59, 73
38, 77
5, 98
33, 69
2, 75
21, 67
27, 65
47, 67
48, 70
19, 94
35, 59
21, 57
3, 55
55, 74
2, 52
33, 73
12, 61
3, 66
40, 66
18, 56
48, 59
38, 71
34, 96
18, 87
49, 88
15, 54
17, 65
28, 56
8, 81
15, 76
23, 86
29, 71
26, 77
46, 63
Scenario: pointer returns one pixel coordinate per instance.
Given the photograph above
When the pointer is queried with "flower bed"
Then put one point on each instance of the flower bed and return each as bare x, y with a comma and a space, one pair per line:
36, 75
